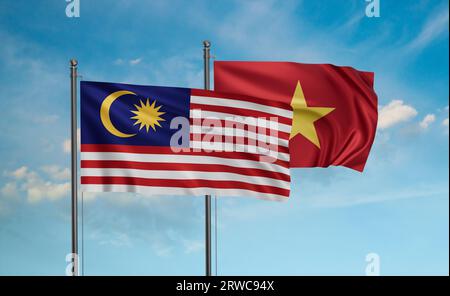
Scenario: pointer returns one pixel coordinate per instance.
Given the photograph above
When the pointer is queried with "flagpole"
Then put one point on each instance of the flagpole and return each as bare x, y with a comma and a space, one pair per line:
73, 90
206, 58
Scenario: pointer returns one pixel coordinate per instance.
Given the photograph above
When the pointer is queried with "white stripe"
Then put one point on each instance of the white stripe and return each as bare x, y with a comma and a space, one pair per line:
232, 117
232, 147
184, 175
236, 132
215, 101
161, 191
178, 158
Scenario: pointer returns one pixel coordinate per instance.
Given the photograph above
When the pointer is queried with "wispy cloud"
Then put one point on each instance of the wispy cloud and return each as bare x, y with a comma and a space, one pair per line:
116, 239
135, 61
123, 220
192, 246
45, 119
119, 62
435, 27
131, 62
438, 190
352, 23
34, 91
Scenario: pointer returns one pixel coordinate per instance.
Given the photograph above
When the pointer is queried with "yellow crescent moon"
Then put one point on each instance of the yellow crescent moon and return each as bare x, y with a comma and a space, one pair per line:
104, 113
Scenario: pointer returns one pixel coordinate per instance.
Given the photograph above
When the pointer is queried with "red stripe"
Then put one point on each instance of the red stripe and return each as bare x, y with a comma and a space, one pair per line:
168, 150
158, 166
243, 141
235, 125
191, 183
241, 112
238, 97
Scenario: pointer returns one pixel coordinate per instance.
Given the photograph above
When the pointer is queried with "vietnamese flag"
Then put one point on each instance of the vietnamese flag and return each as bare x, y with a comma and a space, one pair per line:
335, 108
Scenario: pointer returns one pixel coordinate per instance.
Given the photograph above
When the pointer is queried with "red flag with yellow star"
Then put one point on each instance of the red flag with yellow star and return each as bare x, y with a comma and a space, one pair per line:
334, 108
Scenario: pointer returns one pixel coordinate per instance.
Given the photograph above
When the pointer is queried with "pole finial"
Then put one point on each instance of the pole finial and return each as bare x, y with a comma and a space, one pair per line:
206, 44
73, 62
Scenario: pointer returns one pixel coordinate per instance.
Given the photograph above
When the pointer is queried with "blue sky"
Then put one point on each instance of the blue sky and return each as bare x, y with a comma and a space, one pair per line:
398, 208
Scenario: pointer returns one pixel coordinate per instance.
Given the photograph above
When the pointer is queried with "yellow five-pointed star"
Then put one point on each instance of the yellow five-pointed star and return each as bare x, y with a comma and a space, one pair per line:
304, 116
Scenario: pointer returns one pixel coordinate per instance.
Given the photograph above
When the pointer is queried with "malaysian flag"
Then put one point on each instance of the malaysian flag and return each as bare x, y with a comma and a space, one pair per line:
181, 141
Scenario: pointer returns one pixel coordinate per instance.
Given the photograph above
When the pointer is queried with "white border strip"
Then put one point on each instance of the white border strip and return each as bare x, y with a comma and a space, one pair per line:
184, 175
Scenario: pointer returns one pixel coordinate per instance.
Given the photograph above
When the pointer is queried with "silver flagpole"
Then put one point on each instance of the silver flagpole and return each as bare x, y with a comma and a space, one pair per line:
73, 90
206, 58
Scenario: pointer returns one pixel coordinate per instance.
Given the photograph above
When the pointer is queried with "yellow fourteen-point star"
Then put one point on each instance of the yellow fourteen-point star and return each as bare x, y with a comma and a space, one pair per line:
304, 116
148, 115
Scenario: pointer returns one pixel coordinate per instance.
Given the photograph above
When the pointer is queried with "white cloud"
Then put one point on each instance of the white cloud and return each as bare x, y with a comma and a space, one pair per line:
124, 219
116, 239
161, 249
67, 143
436, 25
349, 200
89, 196
135, 61
445, 125
445, 122
192, 246
39, 191
395, 112
35, 187
191, 73
20, 172
131, 62
9, 194
118, 62
427, 120
67, 146
56, 172
45, 119
9, 189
